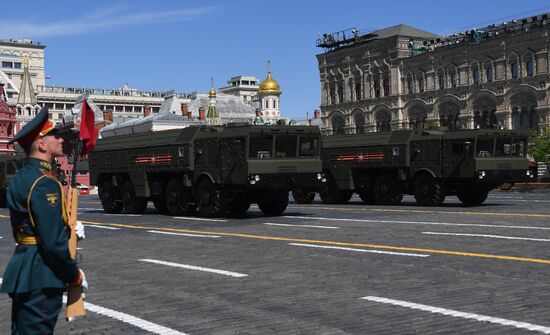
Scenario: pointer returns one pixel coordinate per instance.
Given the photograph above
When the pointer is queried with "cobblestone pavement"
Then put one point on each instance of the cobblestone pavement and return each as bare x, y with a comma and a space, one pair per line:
319, 269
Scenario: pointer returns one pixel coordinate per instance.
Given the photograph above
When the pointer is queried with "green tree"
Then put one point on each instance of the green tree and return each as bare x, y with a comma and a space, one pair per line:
539, 146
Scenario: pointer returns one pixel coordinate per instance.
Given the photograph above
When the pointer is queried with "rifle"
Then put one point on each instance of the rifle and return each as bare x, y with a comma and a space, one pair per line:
75, 297
82, 137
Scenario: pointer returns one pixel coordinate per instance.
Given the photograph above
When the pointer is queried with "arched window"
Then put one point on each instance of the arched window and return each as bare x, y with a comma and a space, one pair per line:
386, 86
383, 121
529, 68
489, 74
513, 66
376, 84
421, 85
410, 85
332, 95
441, 80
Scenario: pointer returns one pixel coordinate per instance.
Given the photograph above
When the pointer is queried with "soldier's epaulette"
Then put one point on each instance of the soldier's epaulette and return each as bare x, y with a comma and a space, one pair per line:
46, 165
48, 173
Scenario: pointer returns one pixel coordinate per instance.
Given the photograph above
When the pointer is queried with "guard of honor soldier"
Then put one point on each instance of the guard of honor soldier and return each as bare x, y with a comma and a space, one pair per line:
41, 268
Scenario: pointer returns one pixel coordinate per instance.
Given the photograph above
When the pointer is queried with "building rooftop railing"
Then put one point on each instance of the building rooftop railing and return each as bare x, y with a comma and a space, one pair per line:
477, 35
107, 91
345, 37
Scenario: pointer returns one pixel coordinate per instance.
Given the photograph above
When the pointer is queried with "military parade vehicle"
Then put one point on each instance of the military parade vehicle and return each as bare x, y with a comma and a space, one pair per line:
9, 165
215, 169
430, 165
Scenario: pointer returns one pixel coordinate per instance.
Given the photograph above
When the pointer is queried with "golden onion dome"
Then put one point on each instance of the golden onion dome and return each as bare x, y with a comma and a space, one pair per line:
269, 86
212, 93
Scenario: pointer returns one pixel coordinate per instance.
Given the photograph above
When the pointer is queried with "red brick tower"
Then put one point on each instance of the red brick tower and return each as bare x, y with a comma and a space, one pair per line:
7, 124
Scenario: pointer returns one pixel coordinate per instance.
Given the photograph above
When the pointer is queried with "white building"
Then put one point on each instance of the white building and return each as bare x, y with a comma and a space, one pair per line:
11, 60
245, 87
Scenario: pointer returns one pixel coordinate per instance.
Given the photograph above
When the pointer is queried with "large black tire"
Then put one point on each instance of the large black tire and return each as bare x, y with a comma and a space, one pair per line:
273, 203
178, 199
387, 190
472, 198
130, 202
239, 204
428, 191
330, 194
110, 198
302, 196
210, 200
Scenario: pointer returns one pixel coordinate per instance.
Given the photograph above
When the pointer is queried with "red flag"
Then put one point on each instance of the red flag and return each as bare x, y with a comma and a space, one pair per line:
88, 131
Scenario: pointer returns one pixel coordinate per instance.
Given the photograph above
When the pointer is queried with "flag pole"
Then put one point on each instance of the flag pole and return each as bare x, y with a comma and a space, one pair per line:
75, 297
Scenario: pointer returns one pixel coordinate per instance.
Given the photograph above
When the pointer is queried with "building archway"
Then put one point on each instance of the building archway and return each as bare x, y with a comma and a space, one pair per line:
337, 123
524, 110
485, 112
383, 120
449, 114
417, 117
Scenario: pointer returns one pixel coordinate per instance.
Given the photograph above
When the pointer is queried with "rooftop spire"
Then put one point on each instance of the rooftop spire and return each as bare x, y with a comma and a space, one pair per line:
212, 92
26, 91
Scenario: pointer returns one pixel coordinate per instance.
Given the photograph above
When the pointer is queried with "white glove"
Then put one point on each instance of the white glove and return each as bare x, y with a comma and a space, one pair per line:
84, 281
79, 230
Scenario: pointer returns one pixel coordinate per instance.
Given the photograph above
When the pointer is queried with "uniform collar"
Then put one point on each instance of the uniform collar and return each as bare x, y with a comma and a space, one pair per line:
40, 163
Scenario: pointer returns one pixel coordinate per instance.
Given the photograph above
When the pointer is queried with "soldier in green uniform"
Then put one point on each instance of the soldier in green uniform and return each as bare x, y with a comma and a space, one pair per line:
41, 267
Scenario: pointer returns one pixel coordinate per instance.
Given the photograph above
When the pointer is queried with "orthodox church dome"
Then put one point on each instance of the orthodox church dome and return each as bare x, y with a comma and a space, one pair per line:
269, 86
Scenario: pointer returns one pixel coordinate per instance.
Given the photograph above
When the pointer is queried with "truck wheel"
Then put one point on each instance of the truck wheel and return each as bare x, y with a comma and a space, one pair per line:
330, 194
110, 198
302, 196
239, 204
210, 200
386, 190
131, 203
273, 203
470, 198
177, 199
428, 191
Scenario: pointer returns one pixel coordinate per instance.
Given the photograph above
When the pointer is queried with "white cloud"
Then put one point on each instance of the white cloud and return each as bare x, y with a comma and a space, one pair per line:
100, 20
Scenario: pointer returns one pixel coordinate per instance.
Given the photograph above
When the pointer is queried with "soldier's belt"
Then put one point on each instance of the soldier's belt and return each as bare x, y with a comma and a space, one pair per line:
27, 239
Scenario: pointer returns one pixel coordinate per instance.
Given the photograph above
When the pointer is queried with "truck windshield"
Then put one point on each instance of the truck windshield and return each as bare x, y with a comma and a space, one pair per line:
503, 147
261, 146
308, 145
285, 146
510, 147
484, 148
519, 147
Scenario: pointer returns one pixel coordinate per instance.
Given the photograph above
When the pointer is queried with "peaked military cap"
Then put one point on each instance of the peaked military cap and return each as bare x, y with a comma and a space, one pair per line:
38, 127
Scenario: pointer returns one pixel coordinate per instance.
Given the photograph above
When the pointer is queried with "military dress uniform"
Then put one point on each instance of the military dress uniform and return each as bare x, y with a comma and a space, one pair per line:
41, 266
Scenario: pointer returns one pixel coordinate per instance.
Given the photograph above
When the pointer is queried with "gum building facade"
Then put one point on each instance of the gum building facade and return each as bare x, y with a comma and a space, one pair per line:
405, 78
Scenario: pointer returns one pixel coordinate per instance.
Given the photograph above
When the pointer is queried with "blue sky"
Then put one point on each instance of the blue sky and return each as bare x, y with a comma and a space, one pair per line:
170, 44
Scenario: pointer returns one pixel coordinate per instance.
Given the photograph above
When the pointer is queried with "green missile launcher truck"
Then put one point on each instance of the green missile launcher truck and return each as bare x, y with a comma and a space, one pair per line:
215, 169
9, 165
430, 165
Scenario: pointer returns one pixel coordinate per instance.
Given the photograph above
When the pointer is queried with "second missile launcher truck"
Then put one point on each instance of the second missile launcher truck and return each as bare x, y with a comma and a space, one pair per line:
383, 166
214, 169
